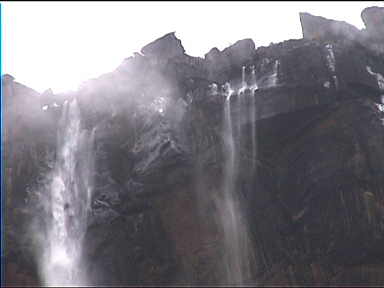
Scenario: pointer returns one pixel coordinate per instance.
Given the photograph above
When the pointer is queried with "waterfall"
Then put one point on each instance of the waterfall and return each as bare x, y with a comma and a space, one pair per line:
235, 231
273, 78
331, 63
228, 212
243, 83
254, 87
68, 202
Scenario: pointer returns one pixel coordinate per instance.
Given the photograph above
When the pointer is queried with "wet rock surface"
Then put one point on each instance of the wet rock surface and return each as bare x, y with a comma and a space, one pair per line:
314, 205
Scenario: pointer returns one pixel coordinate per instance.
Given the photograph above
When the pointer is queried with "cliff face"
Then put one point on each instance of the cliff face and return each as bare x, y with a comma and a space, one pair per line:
314, 205
317, 28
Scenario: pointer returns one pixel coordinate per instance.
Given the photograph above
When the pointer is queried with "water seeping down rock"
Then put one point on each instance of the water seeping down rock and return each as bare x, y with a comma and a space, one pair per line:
310, 197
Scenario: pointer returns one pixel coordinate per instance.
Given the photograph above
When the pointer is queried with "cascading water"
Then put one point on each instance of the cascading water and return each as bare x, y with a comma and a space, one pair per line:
235, 231
240, 104
243, 82
254, 87
273, 78
68, 202
331, 63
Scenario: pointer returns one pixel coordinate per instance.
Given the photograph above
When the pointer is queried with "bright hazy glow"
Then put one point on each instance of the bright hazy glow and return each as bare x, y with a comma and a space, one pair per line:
60, 44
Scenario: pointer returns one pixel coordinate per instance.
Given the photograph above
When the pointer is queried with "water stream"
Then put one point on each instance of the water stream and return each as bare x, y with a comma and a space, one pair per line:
238, 252
68, 202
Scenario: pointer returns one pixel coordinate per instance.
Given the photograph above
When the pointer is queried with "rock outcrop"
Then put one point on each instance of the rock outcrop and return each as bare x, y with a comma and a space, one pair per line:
314, 203
165, 47
221, 63
373, 18
320, 28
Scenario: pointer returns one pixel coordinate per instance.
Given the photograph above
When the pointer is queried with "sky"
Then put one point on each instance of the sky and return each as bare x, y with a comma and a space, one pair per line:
58, 45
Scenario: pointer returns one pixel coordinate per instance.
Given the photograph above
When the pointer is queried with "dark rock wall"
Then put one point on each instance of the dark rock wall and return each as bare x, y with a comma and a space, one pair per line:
314, 205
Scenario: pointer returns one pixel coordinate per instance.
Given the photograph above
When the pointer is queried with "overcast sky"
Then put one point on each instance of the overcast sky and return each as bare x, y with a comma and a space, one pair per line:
60, 44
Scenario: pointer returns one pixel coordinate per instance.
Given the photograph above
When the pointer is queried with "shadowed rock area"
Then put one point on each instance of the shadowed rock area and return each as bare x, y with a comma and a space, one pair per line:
314, 204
